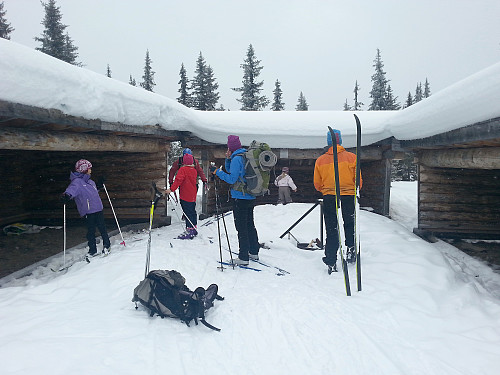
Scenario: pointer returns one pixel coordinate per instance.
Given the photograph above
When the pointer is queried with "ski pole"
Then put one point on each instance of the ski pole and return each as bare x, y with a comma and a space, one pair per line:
114, 214
193, 226
155, 197
64, 227
148, 252
220, 214
218, 227
225, 227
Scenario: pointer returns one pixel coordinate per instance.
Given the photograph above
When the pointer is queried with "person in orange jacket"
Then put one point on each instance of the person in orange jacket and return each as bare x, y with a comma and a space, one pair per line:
324, 182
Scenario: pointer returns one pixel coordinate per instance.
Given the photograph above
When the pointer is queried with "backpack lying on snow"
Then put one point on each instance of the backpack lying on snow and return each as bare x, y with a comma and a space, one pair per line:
258, 160
164, 293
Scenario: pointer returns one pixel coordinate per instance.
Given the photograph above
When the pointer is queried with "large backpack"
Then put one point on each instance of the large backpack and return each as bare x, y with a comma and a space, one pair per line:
165, 294
258, 161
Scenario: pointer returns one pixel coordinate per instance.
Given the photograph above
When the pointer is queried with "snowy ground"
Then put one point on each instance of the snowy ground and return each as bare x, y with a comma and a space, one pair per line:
424, 309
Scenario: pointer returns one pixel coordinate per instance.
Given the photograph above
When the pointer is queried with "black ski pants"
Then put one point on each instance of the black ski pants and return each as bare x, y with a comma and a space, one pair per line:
96, 220
190, 215
244, 222
331, 224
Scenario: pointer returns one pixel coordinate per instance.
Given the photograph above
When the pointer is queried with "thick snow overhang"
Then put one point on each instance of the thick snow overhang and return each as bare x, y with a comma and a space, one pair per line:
31, 78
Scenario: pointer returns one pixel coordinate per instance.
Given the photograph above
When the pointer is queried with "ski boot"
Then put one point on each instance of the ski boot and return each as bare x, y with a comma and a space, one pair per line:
189, 234
332, 269
351, 255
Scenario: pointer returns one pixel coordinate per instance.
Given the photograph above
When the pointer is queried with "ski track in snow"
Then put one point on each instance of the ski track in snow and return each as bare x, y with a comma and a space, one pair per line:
415, 314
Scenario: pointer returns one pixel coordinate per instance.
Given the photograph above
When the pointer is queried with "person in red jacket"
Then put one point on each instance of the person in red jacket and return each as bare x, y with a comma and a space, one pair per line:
185, 180
178, 163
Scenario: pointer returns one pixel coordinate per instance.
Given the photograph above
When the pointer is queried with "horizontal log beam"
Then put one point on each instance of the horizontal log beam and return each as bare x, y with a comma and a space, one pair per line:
21, 139
367, 153
459, 217
466, 227
474, 158
459, 207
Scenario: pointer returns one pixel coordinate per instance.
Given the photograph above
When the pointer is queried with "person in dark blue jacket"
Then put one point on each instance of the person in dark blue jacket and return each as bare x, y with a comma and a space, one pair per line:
243, 203
88, 202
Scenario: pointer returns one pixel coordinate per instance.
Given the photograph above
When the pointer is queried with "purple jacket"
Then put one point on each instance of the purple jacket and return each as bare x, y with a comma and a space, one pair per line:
83, 190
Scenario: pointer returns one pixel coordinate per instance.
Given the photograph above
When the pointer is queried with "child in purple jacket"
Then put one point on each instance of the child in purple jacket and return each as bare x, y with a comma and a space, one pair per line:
88, 202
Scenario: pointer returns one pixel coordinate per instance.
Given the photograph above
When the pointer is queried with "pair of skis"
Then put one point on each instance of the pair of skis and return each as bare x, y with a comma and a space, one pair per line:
345, 270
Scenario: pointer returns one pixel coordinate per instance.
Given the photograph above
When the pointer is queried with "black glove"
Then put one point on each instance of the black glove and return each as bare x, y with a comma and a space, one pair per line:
212, 170
100, 182
64, 198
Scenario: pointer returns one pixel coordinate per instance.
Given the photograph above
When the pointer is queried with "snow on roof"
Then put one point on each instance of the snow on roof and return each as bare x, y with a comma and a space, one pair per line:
33, 78
469, 101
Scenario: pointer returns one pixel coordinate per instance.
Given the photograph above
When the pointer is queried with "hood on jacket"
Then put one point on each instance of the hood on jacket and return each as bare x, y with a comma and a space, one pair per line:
339, 149
84, 176
238, 152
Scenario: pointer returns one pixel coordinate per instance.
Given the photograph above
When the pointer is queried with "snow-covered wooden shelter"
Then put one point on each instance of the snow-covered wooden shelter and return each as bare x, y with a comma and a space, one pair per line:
48, 106
459, 182
39, 147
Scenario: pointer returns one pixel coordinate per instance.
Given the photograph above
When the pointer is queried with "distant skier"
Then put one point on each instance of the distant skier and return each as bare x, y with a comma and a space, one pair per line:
324, 182
179, 162
284, 183
88, 202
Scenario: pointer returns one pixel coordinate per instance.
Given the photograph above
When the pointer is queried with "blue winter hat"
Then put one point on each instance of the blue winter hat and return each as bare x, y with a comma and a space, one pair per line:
337, 135
187, 151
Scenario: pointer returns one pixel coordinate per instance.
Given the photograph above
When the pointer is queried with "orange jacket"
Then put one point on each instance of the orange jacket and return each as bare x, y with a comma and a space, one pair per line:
324, 174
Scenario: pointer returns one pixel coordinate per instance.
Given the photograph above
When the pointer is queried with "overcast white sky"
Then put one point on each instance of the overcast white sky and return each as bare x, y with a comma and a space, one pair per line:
318, 47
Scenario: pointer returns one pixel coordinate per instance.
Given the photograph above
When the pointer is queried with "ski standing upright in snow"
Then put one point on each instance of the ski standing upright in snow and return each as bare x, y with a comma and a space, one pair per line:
357, 245
337, 201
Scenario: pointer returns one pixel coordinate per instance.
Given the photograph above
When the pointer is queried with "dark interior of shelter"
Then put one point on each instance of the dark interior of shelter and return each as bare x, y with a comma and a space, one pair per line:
32, 183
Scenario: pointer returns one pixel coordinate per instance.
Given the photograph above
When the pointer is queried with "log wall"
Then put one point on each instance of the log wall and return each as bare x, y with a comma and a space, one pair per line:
12, 182
32, 182
459, 203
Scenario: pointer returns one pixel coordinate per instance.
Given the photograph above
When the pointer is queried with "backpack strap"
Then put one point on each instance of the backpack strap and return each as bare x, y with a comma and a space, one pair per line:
208, 325
240, 184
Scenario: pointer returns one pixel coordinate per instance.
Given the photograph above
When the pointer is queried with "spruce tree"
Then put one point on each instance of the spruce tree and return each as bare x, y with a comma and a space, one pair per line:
212, 96
302, 103
277, 104
347, 107
357, 103
418, 93
108, 72
184, 97
427, 89
251, 100
70, 51
148, 79
409, 100
132, 81
204, 86
175, 152
5, 28
55, 42
391, 101
404, 169
379, 87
